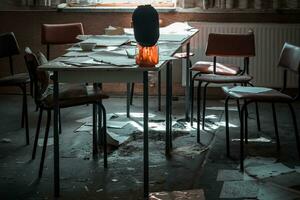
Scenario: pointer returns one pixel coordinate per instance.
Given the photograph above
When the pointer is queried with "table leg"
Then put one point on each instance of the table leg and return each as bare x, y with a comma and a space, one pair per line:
170, 102
56, 135
146, 150
168, 108
159, 90
187, 83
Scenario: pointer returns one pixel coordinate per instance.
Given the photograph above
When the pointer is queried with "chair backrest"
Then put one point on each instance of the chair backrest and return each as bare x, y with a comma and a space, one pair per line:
290, 57
39, 78
240, 45
54, 34
9, 47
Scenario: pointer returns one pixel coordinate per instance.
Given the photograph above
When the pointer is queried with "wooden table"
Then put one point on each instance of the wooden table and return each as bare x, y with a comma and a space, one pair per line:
109, 73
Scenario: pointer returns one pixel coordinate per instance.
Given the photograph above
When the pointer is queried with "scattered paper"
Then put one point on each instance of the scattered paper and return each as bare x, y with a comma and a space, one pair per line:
265, 171
253, 90
116, 139
178, 195
286, 180
6, 140
108, 40
239, 189
113, 58
232, 175
269, 191
258, 161
49, 142
116, 124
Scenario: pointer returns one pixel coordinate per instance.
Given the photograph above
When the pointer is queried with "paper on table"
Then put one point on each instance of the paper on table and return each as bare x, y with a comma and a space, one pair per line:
80, 61
113, 58
249, 89
108, 40
78, 54
172, 37
77, 48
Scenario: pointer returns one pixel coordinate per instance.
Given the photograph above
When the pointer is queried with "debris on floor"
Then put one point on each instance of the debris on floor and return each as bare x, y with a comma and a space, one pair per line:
190, 151
6, 140
178, 195
286, 180
49, 142
232, 175
270, 170
258, 161
270, 191
240, 189
116, 139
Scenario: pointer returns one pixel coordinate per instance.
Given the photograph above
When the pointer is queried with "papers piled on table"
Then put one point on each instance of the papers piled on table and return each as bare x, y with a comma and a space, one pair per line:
80, 61
107, 40
113, 58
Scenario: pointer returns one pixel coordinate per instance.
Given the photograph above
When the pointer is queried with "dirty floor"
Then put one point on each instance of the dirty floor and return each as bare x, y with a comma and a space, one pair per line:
192, 166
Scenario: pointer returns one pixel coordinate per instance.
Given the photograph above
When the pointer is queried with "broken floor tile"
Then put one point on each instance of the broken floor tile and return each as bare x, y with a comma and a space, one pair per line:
178, 195
265, 171
269, 191
239, 189
232, 175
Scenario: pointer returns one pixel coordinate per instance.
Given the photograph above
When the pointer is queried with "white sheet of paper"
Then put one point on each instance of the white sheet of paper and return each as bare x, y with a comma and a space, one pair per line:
253, 90
172, 37
265, 171
116, 124
108, 40
114, 58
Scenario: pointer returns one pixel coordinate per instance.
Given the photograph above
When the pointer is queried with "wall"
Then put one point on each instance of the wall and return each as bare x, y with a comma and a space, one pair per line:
26, 26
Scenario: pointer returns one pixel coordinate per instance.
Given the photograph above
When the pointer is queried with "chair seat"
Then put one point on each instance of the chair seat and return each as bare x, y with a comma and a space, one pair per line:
219, 79
15, 79
268, 96
182, 55
221, 69
72, 95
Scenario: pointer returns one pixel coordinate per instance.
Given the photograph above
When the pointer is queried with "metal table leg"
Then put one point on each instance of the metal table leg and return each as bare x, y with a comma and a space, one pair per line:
128, 100
56, 135
168, 108
187, 83
146, 150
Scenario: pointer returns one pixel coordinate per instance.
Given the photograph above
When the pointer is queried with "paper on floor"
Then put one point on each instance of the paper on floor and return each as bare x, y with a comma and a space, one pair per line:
49, 142
232, 175
116, 139
286, 180
265, 171
178, 195
269, 191
239, 189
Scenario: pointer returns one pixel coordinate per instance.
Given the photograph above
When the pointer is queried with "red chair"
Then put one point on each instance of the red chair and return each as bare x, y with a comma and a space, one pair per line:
58, 34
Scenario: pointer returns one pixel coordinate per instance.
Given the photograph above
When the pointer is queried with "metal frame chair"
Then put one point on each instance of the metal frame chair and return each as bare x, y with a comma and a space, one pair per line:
70, 95
222, 45
289, 61
8, 48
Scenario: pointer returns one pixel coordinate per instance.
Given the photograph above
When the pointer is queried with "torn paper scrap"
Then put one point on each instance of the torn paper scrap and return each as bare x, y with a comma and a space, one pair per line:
239, 189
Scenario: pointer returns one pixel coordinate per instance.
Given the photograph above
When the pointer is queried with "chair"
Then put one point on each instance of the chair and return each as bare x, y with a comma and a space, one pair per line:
289, 61
182, 55
58, 34
222, 45
8, 48
69, 95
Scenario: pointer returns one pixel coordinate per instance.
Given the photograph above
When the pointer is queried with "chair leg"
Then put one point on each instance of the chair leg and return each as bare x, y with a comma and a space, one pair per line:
246, 123
295, 128
204, 105
59, 125
25, 113
198, 110
227, 127
100, 135
276, 127
37, 133
239, 108
31, 88
95, 148
243, 116
128, 100
131, 93
192, 100
104, 134
45, 143
159, 90
257, 117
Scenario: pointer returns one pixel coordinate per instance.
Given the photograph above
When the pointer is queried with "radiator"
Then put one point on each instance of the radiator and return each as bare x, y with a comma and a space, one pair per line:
269, 39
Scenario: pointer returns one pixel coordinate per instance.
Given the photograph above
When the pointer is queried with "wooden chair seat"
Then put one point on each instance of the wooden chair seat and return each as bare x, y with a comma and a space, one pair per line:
221, 69
214, 78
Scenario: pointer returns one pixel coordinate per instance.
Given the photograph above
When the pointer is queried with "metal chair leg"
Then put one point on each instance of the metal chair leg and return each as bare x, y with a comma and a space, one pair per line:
198, 110
37, 133
204, 106
227, 127
276, 127
257, 117
104, 134
246, 123
192, 100
59, 116
295, 128
100, 135
131, 93
95, 148
239, 108
25, 113
243, 116
128, 100
45, 144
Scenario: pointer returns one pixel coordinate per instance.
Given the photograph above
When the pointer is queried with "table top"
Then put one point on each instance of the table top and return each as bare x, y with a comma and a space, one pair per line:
167, 49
